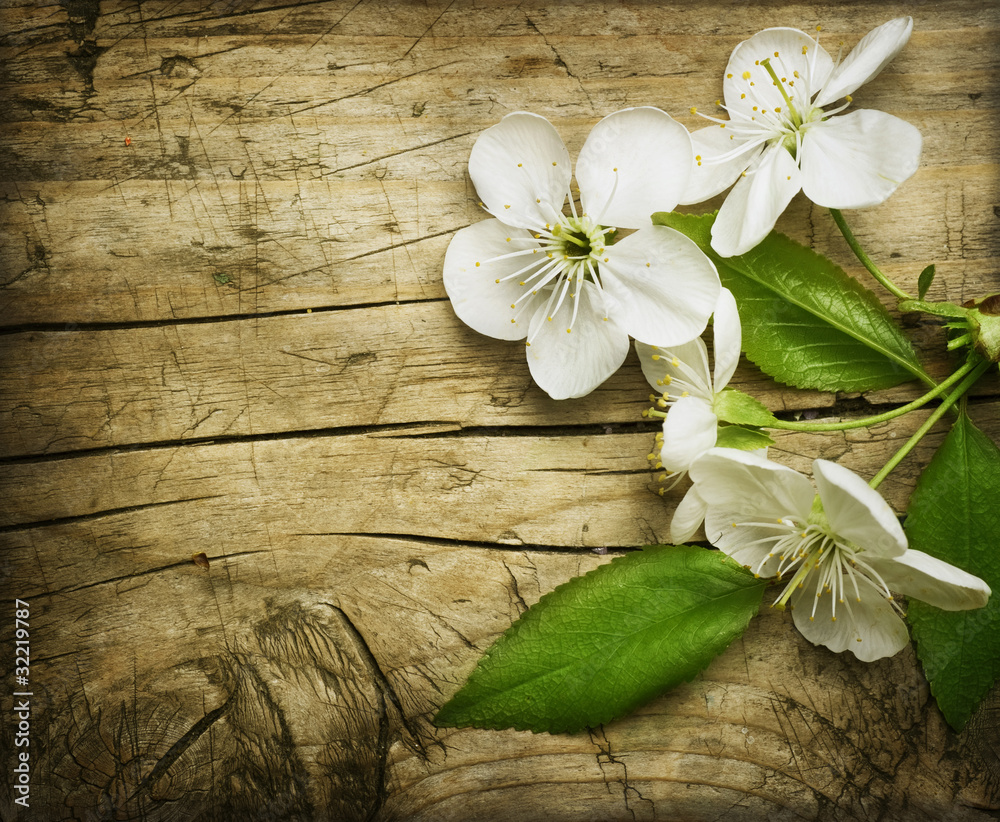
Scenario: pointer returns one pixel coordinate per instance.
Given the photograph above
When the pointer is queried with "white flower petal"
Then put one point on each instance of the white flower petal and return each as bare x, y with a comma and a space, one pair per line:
634, 162
866, 60
470, 278
688, 517
728, 336
857, 512
521, 170
750, 545
870, 629
858, 159
572, 365
689, 430
692, 368
711, 174
813, 67
747, 483
931, 580
755, 203
663, 286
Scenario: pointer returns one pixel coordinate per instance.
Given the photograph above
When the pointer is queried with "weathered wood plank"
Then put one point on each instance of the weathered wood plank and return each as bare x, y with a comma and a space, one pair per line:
237, 247
586, 490
308, 371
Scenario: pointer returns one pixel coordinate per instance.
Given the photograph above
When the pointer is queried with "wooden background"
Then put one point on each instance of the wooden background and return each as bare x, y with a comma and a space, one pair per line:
223, 331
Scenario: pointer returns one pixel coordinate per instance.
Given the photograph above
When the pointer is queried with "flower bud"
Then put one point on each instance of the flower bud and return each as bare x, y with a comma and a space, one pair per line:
984, 326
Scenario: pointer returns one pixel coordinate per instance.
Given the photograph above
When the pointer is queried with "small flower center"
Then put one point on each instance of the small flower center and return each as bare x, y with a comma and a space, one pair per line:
756, 119
559, 258
816, 558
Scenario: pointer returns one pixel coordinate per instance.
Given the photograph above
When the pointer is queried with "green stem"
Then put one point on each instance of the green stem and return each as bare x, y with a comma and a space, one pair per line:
866, 261
977, 371
888, 415
958, 342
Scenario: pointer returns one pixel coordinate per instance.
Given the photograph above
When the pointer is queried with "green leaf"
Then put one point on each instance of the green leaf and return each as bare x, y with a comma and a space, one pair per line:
602, 644
731, 405
924, 281
743, 439
954, 516
805, 321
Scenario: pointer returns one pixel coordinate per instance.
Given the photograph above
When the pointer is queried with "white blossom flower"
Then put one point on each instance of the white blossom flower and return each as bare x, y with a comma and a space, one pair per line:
841, 553
688, 389
560, 280
782, 136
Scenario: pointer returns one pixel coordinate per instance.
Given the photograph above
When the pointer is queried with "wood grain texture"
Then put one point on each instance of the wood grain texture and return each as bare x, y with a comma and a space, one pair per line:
270, 500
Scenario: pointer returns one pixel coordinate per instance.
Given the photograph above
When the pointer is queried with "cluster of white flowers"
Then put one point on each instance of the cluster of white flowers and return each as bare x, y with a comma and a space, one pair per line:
576, 292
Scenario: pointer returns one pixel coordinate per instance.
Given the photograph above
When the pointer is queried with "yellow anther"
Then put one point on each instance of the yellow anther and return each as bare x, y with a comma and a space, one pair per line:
849, 98
554, 163
776, 54
648, 264
729, 76
519, 165
508, 239
805, 49
693, 110
477, 266
676, 363
569, 330
655, 356
746, 75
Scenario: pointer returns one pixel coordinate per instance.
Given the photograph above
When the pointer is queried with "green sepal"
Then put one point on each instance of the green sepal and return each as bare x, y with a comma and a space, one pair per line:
942, 309
732, 405
805, 321
603, 644
954, 516
742, 439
